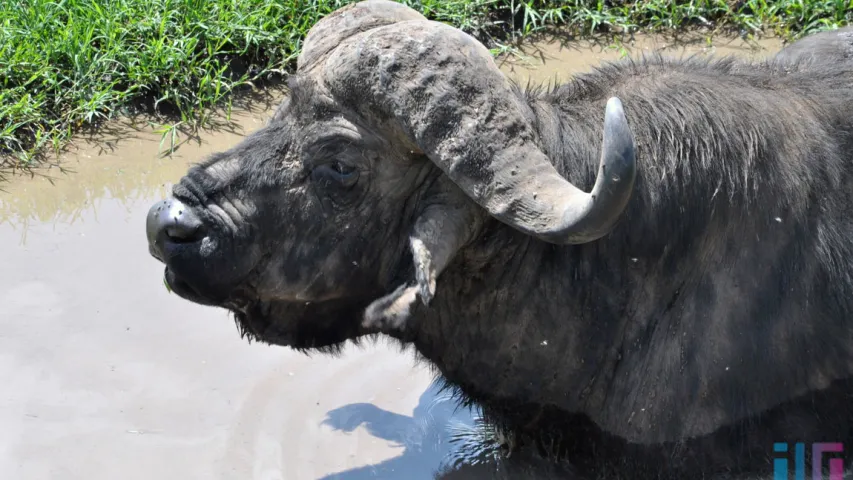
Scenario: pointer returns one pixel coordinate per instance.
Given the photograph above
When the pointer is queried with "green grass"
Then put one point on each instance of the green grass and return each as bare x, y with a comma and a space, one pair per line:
65, 65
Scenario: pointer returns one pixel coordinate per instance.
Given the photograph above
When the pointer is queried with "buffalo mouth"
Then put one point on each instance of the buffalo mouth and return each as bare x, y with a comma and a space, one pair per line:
303, 325
185, 290
253, 318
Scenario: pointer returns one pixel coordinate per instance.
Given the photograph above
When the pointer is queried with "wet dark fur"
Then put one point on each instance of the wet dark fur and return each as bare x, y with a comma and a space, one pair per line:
725, 289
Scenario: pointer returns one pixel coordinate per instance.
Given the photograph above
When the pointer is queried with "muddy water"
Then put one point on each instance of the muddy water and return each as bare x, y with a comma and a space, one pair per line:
106, 375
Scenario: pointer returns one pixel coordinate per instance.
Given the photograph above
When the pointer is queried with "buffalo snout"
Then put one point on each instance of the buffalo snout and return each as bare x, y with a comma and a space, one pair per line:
170, 222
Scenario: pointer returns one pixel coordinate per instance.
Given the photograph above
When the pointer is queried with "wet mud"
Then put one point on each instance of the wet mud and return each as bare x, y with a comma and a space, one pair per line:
106, 375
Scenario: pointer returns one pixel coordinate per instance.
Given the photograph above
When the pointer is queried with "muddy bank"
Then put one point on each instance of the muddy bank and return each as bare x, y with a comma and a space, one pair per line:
109, 376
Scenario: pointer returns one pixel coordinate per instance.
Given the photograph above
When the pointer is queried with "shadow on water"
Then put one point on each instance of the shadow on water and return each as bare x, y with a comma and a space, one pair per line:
425, 436
441, 441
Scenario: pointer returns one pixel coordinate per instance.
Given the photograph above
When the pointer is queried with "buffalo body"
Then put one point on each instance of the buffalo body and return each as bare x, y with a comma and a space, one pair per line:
649, 267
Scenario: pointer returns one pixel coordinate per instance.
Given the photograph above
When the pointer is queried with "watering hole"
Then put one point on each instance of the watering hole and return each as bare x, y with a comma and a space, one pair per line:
106, 375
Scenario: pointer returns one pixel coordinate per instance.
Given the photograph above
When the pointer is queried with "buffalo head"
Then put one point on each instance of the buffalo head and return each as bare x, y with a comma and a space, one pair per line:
399, 143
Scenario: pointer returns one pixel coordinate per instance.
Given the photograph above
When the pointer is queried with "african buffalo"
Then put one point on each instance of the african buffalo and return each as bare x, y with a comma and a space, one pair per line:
691, 310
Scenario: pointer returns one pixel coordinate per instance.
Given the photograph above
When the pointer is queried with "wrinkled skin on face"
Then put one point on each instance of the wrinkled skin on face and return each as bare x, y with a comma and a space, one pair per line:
293, 226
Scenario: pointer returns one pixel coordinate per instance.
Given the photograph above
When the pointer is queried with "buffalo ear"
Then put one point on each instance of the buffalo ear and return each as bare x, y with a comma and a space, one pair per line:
444, 226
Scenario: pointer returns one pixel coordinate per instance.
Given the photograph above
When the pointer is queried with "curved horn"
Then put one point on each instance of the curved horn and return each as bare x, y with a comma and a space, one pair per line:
443, 89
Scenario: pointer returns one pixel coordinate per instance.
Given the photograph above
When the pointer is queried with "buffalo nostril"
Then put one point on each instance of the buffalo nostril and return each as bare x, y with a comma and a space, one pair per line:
184, 232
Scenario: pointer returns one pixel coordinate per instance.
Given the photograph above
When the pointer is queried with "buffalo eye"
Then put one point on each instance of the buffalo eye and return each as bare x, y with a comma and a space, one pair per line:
335, 174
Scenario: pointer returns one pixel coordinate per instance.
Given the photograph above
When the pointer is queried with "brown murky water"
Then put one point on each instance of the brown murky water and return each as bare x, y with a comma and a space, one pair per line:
106, 375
